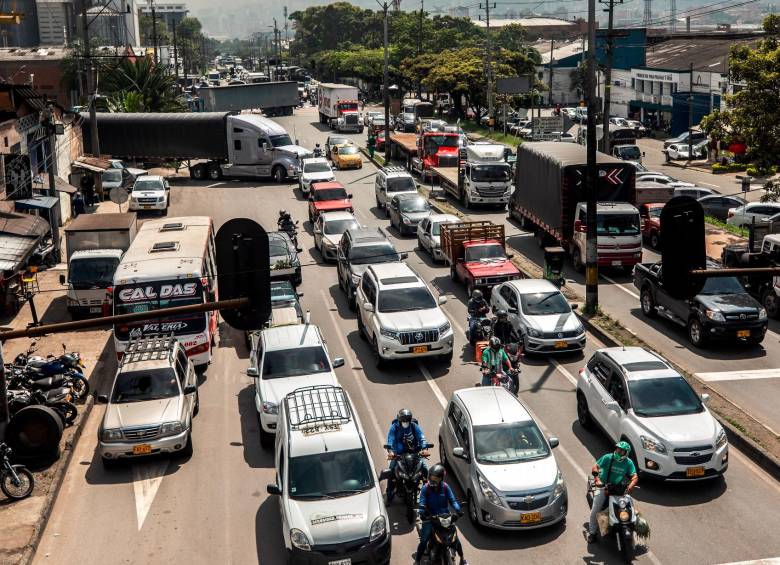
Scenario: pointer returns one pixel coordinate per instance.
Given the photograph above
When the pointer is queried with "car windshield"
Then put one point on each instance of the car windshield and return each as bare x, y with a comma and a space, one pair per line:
333, 141
483, 173
330, 194
370, 254
138, 386
296, 362
543, 303
278, 249
414, 205
112, 175
404, 299
484, 253
336, 227
316, 167
92, 271
348, 150
282, 291
329, 474
147, 184
281, 140
670, 396
617, 224
654, 212
722, 285
509, 443
630, 152
436, 230
442, 140
401, 184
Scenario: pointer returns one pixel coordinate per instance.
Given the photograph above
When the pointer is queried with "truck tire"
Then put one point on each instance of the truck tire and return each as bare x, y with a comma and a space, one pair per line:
655, 240
696, 333
279, 174
576, 260
647, 302
198, 172
771, 303
34, 434
453, 274
464, 199
215, 172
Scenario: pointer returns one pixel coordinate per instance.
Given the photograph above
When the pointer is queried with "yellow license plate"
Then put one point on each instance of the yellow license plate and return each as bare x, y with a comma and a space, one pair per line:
560, 345
531, 518
694, 472
420, 349
743, 333
143, 449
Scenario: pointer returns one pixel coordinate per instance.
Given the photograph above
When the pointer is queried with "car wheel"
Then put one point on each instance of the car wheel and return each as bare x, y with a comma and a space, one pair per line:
648, 304
754, 340
197, 172
473, 511
351, 298
279, 174
361, 327
696, 333
447, 358
379, 362
443, 454
454, 274
110, 464
583, 413
266, 439
655, 240
196, 409
576, 260
215, 172
187, 451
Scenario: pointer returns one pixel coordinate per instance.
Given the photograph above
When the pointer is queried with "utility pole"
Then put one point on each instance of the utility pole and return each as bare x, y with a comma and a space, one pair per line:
51, 170
154, 30
489, 61
591, 249
419, 45
175, 56
386, 84
552, 52
608, 73
93, 127
690, 115
286, 38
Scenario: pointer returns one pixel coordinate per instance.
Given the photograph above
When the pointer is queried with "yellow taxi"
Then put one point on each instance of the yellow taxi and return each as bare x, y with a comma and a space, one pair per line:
347, 157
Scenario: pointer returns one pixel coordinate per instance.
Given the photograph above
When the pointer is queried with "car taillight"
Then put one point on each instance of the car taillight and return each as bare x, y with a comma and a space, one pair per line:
202, 348
119, 355
581, 371
731, 214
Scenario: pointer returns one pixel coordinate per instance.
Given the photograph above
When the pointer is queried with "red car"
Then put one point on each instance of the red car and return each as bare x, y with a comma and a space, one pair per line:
328, 197
380, 141
651, 223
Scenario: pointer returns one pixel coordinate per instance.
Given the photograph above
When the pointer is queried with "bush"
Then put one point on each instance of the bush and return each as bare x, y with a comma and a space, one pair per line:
728, 167
759, 171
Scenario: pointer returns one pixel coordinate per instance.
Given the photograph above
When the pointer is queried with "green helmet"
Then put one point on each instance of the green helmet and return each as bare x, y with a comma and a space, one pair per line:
625, 446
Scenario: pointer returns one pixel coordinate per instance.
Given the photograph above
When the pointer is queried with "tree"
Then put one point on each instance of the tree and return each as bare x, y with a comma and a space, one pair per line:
140, 86
147, 31
194, 47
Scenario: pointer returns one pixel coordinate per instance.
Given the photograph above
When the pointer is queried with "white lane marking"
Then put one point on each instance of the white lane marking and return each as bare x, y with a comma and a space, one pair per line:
739, 375
357, 373
565, 372
147, 477
432, 383
620, 286
213, 185
767, 561
758, 471
710, 185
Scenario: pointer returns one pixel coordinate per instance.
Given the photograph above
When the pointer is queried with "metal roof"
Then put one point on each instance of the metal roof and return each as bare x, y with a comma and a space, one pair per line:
528, 286
14, 250
102, 222
530, 22
565, 153
23, 225
706, 53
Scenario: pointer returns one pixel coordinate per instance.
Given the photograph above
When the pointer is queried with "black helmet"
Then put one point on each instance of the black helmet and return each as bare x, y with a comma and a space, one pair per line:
404, 415
502, 314
282, 213
476, 294
316, 145
437, 471
495, 343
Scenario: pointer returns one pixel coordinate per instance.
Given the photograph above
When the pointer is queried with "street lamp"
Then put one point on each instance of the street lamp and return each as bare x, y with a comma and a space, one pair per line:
386, 87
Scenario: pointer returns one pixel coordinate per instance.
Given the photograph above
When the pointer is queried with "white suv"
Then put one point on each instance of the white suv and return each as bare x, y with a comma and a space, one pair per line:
389, 182
150, 192
315, 169
286, 358
399, 315
636, 396
330, 501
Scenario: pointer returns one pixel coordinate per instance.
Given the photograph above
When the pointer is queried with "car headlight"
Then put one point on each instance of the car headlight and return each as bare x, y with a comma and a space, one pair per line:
534, 333
762, 313
721, 440
329, 244
378, 529
270, 408
479, 282
444, 328
406, 220
298, 539
715, 315
650, 444
355, 279
112, 435
171, 428
391, 334
560, 486
161, 199
488, 491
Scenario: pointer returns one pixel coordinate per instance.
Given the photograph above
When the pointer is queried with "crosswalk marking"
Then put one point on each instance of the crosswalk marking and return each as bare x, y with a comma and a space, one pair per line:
739, 375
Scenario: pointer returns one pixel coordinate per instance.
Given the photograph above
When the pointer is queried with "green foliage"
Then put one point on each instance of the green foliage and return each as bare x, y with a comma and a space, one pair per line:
736, 230
760, 171
140, 86
362, 63
728, 168
164, 35
771, 191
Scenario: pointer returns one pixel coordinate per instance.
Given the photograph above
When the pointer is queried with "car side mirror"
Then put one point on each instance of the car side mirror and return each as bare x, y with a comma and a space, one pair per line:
554, 442
102, 399
442, 300
273, 489
368, 307
190, 389
510, 256
299, 294
705, 397
62, 279
404, 255
349, 195
575, 306
385, 475
264, 146
643, 153
338, 362
387, 446
317, 229
460, 453
252, 372
612, 405
512, 310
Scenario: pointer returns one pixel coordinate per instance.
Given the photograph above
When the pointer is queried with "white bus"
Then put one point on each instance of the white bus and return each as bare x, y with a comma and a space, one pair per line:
171, 262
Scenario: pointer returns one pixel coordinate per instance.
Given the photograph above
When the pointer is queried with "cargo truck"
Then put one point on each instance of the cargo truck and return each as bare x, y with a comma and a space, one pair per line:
763, 287
476, 254
95, 244
338, 107
484, 177
549, 199
273, 98
242, 146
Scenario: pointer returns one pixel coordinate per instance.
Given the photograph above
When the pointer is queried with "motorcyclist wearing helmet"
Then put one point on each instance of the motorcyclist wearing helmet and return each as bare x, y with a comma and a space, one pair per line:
611, 471
404, 436
285, 221
502, 328
494, 360
478, 308
436, 497
318, 152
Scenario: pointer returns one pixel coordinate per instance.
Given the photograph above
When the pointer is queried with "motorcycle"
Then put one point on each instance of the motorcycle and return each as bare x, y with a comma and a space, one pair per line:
506, 380
59, 399
441, 548
290, 228
622, 517
318, 152
408, 477
16, 481
481, 332
35, 372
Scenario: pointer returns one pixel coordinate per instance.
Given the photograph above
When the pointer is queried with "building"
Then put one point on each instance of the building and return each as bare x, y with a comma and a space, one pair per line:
40, 68
171, 14
24, 34
544, 27
56, 22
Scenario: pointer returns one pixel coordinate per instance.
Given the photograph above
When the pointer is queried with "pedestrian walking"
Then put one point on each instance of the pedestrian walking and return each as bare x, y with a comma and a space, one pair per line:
371, 144
88, 188
78, 204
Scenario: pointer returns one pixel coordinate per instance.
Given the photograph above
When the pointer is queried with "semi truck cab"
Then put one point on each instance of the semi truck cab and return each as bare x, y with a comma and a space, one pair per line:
435, 149
348, 116
618, 232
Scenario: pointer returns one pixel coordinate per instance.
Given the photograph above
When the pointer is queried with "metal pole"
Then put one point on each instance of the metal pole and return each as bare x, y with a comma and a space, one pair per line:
489, 64
93, 126
591, 249
690, 116
154, 31
552, 50
419, 45
608, 78
175, 56
51, 169
386, 86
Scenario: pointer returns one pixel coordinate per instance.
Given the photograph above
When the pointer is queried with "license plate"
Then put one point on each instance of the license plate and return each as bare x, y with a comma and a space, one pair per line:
143, 449
146, 205
617, 263
420, 349
95, 310
560, 345
743, 333
694, 472
531, 518
347, 561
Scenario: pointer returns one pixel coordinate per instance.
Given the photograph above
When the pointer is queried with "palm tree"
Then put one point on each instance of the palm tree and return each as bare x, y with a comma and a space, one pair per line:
140, 86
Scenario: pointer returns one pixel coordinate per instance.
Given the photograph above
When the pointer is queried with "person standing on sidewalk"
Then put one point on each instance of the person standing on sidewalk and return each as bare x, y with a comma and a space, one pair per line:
78, 204
371, 144
88, 188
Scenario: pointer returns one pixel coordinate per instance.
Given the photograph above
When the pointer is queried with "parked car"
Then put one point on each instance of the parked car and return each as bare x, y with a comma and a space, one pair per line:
697, 137
405, 123
694, 192
399, 317
744, 215
540, 314
287, 358
151, 404
641, 131
328, 229
391, 181
718, 206
680, 151
314, 169
150, 192
570, 112
660, 178
347, 157
563, 136
521, 125
502, 460
622, 122
650, 215
111, 179
406, 211
429, 233
369, 115
636, 396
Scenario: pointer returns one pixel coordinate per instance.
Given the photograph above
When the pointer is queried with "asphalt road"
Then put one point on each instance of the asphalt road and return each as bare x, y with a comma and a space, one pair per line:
213, 508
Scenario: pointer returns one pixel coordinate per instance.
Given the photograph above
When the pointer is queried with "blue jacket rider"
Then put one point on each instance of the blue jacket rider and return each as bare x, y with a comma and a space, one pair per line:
436, 498
404, 436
